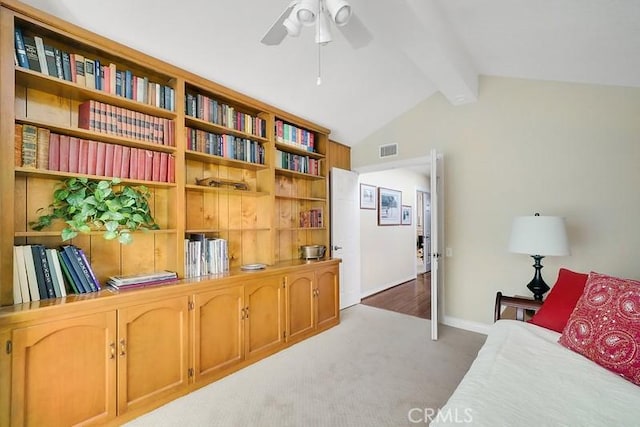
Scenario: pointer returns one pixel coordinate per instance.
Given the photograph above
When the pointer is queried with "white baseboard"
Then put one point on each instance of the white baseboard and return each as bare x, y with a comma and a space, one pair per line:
468, 325
385, 287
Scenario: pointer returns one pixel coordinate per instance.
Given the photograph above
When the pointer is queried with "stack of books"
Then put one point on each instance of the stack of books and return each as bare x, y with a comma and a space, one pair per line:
141, 280
205, 255
42, 273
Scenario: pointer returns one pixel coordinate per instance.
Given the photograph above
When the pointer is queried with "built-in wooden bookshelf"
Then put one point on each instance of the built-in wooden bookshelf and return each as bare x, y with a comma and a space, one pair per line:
262, 223
210, 325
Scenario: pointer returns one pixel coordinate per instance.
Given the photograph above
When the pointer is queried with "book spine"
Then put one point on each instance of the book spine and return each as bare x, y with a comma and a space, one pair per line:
54, 152
108, 160
124, 167
81, 79
40, 280
89, 73
117, 161
17, 142
32, 280
100, 158
43, 148
65, 142
59, 64
155, 174
93, 279
92, 157
42, 59
29, 146
53, 275
66, 66
70, 273
83, 281
74, 154
32, 53
50, 58
57, 268
20, 49
17, 289
148, 165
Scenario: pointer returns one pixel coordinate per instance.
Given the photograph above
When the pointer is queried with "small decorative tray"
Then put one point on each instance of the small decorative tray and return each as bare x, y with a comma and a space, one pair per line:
253, 267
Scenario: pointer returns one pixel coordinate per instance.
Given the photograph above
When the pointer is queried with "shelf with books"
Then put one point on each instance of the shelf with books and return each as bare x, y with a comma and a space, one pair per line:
294, 149
243, 193
44, 83
294, 174
300, 228
57, 54
215, 128
42, 173
224, 161
297, 138
219, 113
97, 136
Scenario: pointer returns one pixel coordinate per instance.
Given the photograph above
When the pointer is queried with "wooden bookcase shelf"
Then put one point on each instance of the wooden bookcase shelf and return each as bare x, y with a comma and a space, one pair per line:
295, 174
98, 136
205, 333
62, 88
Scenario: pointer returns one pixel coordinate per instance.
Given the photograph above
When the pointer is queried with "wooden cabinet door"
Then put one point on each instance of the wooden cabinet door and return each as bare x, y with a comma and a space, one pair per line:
64, 372
327, 297
264, 319
152, 351
218, 331
300, 294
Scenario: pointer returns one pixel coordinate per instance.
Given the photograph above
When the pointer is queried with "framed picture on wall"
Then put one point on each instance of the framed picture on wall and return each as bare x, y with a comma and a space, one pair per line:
406, 215
389, 206
367, 196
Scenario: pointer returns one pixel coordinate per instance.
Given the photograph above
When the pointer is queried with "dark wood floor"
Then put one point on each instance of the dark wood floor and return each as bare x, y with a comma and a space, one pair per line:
412, 297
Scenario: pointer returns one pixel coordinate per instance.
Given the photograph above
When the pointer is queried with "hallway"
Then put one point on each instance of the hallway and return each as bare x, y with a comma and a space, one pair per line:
412, 297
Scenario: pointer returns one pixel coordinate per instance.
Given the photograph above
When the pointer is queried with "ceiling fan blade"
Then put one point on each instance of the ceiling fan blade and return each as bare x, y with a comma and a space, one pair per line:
356, 33
277, 32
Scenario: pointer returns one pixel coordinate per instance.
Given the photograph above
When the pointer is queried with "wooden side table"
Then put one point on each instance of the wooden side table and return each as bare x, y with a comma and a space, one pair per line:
517, 308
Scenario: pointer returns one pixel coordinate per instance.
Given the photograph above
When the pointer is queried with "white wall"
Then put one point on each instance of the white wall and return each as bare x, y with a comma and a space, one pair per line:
527, 146
388, 253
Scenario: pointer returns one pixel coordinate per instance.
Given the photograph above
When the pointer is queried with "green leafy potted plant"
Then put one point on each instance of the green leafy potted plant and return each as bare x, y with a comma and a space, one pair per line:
87, 205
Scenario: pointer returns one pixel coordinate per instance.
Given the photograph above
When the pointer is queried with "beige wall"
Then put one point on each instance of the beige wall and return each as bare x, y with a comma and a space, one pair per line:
388, 253
527, 146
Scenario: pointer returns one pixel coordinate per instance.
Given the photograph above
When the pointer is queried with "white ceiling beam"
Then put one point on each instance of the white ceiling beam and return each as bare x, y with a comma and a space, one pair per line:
438, 53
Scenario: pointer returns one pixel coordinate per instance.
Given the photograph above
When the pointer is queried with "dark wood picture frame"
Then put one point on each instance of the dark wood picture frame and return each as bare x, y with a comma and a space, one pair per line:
389, 206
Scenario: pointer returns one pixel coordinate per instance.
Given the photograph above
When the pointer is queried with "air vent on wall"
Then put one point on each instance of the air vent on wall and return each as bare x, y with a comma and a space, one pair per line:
388, 150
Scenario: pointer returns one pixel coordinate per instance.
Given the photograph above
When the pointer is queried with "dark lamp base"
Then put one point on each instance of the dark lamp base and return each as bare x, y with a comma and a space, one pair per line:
537, 284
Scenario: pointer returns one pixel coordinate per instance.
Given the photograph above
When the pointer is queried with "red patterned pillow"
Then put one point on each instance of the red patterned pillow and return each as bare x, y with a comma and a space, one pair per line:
561, 301
605, 325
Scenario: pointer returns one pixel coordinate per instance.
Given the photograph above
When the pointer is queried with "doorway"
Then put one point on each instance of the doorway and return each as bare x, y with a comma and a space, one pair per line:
423, 231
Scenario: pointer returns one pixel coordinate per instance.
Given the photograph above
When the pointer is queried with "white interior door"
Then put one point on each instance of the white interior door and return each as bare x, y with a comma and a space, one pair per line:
437, 163
345, 233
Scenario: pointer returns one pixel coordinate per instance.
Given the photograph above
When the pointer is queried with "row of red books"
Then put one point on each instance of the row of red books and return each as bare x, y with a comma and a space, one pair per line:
66, 153
311, 218
105, 118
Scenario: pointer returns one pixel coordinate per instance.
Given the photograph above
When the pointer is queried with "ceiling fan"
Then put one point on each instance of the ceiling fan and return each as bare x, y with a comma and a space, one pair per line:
318, 13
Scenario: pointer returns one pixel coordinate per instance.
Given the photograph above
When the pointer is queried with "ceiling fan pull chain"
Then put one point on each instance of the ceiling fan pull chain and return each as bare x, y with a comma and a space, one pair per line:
319, 79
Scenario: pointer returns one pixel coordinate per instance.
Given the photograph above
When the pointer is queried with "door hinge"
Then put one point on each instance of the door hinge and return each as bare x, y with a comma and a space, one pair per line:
9, 347
190, 372
191, 305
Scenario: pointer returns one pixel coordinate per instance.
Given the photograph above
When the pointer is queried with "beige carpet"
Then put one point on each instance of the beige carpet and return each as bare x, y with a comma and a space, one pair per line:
371, 370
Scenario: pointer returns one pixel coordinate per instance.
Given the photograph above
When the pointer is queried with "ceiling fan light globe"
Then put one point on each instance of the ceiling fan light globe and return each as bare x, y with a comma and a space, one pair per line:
307, 11
293, 26
339, 10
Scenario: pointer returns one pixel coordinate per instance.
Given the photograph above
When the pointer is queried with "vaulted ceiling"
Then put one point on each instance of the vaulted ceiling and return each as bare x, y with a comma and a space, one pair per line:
417, 48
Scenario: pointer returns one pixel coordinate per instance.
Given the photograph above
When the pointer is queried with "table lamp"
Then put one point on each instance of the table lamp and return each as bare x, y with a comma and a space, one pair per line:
539, 236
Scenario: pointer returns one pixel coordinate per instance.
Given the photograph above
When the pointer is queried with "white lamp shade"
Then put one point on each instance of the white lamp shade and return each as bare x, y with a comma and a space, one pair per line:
539, 235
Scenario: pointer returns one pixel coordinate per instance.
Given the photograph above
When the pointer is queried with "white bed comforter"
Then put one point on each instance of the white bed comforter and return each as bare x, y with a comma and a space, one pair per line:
523, 377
